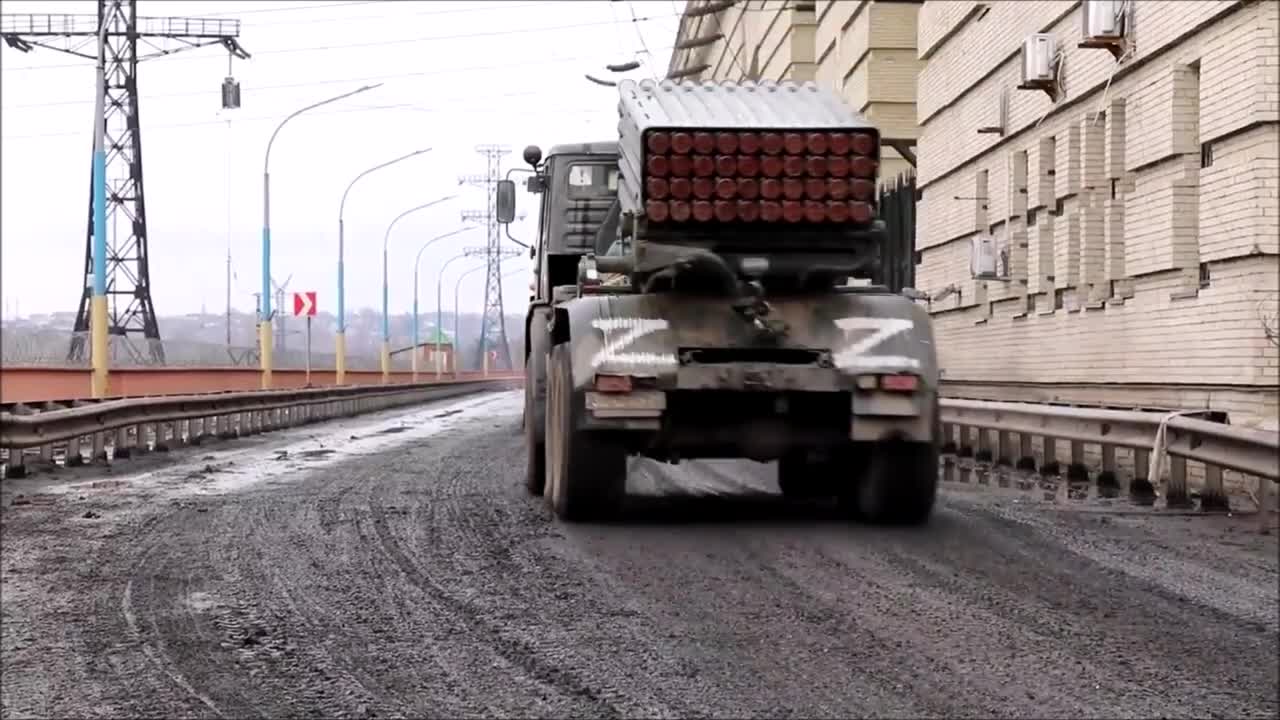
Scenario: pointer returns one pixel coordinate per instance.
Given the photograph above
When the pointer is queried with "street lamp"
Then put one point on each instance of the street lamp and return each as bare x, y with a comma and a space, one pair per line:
417, 260
456, 286
440, 319
264, 326
386, 318
340, 339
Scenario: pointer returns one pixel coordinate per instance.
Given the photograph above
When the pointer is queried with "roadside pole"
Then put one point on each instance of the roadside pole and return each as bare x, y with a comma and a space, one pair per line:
308, 351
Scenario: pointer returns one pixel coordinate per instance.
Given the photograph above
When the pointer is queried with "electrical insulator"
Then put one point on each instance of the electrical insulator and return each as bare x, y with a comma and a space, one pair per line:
230, 94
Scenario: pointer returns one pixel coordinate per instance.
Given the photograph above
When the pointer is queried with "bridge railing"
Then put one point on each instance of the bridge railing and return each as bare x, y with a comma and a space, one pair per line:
1026, 437
105, 430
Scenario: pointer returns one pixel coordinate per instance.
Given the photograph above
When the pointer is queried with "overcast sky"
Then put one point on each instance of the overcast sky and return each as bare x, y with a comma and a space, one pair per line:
456, 73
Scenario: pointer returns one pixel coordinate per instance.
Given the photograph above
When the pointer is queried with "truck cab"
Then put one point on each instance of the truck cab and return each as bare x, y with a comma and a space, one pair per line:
576, 185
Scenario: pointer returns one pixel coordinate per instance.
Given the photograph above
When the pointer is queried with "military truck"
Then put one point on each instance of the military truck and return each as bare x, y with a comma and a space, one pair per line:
697, 296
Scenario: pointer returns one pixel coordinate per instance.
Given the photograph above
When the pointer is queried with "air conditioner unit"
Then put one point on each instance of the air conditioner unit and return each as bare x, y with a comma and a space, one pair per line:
1103, 19
1039, 52
983, 257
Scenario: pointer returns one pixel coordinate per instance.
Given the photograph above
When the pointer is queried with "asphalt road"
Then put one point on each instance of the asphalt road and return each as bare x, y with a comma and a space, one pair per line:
393, 566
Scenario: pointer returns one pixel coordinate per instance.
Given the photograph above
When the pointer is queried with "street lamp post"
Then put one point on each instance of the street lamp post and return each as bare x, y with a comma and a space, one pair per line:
386, 317
440, 318
264, 325
98, 345
340, 338
417, 260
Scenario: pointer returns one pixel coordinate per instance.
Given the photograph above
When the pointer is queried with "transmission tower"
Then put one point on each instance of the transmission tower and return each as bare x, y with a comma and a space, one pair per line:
493, 326
132, 312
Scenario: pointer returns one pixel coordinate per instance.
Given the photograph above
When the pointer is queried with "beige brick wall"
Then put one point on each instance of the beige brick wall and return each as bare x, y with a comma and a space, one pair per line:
1102, 199
769, 39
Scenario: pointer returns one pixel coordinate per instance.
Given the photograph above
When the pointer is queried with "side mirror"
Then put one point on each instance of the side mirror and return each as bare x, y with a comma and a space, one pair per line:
505, 201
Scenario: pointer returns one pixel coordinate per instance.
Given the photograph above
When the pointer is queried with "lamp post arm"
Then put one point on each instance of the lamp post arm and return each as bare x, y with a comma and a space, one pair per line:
267, 160
343, 205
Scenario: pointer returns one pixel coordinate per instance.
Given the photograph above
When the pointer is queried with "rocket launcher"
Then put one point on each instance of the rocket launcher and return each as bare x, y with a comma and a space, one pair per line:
693, 156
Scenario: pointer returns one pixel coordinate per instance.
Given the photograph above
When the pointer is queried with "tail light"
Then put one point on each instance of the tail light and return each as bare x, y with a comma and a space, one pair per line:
893, 383
795, 176
613, 383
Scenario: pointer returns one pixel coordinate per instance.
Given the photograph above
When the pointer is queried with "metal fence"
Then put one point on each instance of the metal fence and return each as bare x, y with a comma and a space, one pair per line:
898, 210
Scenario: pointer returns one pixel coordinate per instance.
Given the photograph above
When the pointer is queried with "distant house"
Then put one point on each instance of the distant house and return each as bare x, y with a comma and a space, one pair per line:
428, 347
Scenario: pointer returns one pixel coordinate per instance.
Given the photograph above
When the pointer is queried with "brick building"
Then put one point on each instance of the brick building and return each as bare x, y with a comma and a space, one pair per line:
1136, 211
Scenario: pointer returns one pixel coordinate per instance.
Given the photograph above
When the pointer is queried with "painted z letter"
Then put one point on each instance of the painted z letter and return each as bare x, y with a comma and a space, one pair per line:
620, 333
855, 355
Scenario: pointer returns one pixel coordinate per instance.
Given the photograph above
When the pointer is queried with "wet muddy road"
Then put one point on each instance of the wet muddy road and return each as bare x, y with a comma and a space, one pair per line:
393, 566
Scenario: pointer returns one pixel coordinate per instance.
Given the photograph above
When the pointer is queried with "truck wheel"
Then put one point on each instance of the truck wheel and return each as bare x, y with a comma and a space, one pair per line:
899, 486
535, 399
588, 478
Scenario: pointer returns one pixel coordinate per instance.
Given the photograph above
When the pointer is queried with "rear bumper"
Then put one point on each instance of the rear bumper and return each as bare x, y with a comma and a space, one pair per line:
759, 425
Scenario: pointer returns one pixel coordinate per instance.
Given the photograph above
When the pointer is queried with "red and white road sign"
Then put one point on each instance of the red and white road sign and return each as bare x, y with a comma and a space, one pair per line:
304, 303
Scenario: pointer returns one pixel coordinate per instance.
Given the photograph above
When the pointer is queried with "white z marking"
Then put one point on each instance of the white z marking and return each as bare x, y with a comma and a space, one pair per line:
620, 333
855, 355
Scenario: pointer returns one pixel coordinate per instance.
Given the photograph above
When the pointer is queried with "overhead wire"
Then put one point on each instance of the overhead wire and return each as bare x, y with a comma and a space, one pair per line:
337, 111
334, 81
383, 43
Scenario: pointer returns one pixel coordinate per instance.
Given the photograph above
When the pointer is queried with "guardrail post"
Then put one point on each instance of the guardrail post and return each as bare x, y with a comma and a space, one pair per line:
1049, 464
1214, 496
73, 458
1108, 483
99, 453
1176, 495
1004, 448
16, 466
1266, 501
46, 453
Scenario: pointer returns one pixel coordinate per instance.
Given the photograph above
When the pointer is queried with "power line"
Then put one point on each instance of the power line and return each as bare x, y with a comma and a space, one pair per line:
265, 118
336, 81
406, 41
485, 7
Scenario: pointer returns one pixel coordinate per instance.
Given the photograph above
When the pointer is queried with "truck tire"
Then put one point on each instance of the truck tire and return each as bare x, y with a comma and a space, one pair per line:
900, 484
899, 487
587, 478
535, 400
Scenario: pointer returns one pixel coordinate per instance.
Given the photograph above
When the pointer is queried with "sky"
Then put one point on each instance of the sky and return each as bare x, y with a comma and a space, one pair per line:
454, 74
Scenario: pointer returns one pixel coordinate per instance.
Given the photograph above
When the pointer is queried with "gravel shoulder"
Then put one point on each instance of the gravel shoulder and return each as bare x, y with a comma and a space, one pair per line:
393, 566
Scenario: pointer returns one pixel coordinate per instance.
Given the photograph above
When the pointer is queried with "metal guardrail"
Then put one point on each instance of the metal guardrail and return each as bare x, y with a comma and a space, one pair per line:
142, 424
970, 426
